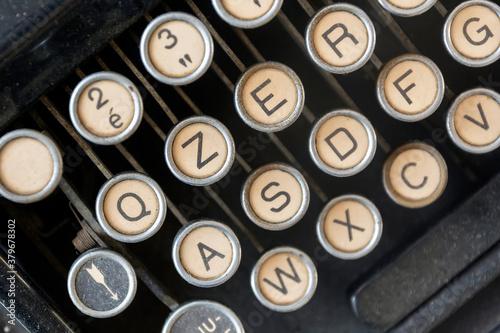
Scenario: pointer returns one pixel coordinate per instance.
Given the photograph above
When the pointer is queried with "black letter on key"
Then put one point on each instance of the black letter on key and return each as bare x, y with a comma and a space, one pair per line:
405, 180
143, 213
484, 125
344, 35
202, 248
484, 28
262, 102
335, 150
348, 224
199, 163
404, 91
276, 196
279, 272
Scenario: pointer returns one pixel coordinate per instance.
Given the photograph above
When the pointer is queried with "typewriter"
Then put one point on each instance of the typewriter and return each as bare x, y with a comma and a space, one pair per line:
427, 262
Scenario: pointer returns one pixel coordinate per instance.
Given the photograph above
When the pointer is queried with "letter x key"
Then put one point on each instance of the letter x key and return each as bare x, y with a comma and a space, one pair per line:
348, 224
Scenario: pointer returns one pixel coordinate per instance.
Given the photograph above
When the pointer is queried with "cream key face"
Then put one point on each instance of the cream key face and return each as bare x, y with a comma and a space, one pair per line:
415, 175
349, 227
30, 166
247, 14
206, 253
342, 143
275, 196
106, 108
269, 97
407, 7
131, 207
199, 150
176, 48
471, 33
284, 279
474, 120
340, 38
410, 87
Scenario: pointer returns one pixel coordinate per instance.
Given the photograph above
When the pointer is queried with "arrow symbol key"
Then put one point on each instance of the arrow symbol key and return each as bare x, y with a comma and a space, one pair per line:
98, 277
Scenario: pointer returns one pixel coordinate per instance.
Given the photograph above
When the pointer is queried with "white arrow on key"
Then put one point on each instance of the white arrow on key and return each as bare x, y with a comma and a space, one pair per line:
99, 278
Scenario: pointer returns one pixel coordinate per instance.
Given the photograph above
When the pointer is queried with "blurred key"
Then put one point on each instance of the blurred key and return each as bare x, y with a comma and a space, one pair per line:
473, 121
30, 166
415, 175
275, 196
101, 283
284, 279
176, 48
342, 143
199, 150
247, 14
106, 108
472, 33
203, 317
340, 38
410, 87
206, 253
131, 207
349, 227
269, 97
407, 7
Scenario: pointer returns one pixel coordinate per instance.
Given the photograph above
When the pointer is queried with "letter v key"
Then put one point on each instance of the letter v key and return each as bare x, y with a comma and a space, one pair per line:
484, 125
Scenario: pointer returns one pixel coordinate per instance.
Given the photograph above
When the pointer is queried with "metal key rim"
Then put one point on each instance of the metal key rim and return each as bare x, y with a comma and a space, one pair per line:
132, 90
407, 12
247, 24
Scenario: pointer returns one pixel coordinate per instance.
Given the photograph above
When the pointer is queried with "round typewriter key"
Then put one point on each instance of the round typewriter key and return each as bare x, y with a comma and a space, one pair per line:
410, 87
105, 108
342, 143
473, 121
199, 150
407, 7
131, 207
415, 175
349, 227
471, 33
203, 316
340, 38
247, 14
206, 253
269, 97
101, 283
284, 279
176, 48
30, 166
275, 196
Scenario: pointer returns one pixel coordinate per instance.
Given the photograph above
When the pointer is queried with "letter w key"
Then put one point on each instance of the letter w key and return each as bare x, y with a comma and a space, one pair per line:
199, 163
279, 273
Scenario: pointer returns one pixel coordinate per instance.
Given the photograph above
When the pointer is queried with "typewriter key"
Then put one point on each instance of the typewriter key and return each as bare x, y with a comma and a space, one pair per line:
349, 227
30, 166
415, 175
473, 121
247, 14
203, 317
472, 33
206, 253
131, 207
340, 38
407, 7
342, 143
105, 108
176, 48
275, 196
101, 283
284, 279
410, 87
269, 97
199, 150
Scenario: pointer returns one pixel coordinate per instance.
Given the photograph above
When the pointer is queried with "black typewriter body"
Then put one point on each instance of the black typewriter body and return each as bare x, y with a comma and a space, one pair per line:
49, 46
